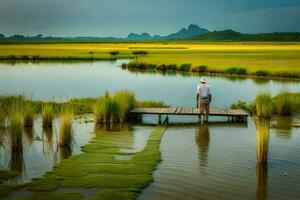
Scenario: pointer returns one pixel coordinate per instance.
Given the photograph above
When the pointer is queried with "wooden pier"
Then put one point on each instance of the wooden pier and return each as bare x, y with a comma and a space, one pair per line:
233, 115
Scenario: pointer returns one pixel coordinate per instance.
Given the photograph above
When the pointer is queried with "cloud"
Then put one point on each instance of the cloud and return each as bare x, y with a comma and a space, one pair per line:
118, 17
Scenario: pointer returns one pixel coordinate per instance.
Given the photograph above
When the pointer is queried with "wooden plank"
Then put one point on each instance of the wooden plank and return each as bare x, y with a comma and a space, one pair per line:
190, 111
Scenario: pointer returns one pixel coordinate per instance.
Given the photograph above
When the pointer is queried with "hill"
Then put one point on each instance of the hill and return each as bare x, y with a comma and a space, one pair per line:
192, 30
230, 35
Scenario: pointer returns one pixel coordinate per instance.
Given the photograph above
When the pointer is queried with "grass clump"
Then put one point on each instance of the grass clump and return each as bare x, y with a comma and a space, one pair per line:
241, 105
151, 104
184, 67
263, 105
2, 119
114, 108
29, 115
284, 104
16, 131
126, 102
66, 134
200, 69
137, 65
114, 53
106, 110
47, 116
139, 52
236, 71
262, 73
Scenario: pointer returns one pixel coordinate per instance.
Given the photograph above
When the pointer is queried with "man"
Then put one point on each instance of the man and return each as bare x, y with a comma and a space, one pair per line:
203, 98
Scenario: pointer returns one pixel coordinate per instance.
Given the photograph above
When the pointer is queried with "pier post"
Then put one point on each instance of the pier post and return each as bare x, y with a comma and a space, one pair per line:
159, 119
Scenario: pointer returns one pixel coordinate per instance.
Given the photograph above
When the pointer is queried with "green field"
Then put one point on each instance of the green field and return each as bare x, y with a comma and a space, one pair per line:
272, 57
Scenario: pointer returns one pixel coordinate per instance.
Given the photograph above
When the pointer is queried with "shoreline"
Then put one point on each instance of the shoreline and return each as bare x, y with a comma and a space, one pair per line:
228, 72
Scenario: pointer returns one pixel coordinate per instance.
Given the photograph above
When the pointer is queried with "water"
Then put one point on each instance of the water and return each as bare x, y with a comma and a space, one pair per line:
40, 149
63, 81
215, 161
220, 162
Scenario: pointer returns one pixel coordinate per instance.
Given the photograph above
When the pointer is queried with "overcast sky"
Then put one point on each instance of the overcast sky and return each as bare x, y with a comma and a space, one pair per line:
119, 17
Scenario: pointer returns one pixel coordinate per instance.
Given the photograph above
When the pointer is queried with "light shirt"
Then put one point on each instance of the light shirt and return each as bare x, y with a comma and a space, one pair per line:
203, 90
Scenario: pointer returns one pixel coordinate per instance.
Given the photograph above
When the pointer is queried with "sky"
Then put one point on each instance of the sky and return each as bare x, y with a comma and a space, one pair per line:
120, 17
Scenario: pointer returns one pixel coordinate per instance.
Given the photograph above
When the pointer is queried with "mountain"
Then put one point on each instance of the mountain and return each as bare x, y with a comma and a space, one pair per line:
219, 36
143, 36
230, 35
192, 30
2, 36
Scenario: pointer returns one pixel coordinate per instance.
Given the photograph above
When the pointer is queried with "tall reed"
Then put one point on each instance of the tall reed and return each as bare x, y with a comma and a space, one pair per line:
2, 119
262, 147
66, 134
263, 105
106, 110
125, 101
284, 103
16, 131
29, 112
47, 116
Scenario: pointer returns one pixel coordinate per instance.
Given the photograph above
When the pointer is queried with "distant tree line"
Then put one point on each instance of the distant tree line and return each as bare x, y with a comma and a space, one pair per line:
226, 35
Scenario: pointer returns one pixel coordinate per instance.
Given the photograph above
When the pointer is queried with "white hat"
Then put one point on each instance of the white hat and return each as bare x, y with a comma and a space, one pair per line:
203, 80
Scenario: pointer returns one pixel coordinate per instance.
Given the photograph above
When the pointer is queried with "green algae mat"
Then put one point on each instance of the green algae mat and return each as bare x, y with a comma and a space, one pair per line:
97, 170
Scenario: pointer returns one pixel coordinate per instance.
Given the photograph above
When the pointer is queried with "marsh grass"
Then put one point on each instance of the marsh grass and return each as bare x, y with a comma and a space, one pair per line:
103, 110
184, 67
151, 104
114, 108
284, 103
125, 101
29, 113
107, 108
66, 133
263, 105
236, 71
241, 105
16, 131
262, 127
199, 69
47, 116
2, 119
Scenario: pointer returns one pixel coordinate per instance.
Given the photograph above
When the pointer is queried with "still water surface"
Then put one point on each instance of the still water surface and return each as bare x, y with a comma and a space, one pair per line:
214, 161
63, 81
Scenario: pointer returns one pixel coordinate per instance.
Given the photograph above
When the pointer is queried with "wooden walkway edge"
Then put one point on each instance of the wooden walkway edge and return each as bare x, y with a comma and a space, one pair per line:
236, 115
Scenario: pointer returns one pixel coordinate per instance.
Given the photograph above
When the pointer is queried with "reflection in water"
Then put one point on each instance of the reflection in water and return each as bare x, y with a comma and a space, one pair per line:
65, 151
113, 127
47, 140
202, 141
284, 127
262, 131
28, 132
262, 181
261, 81
16, 162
